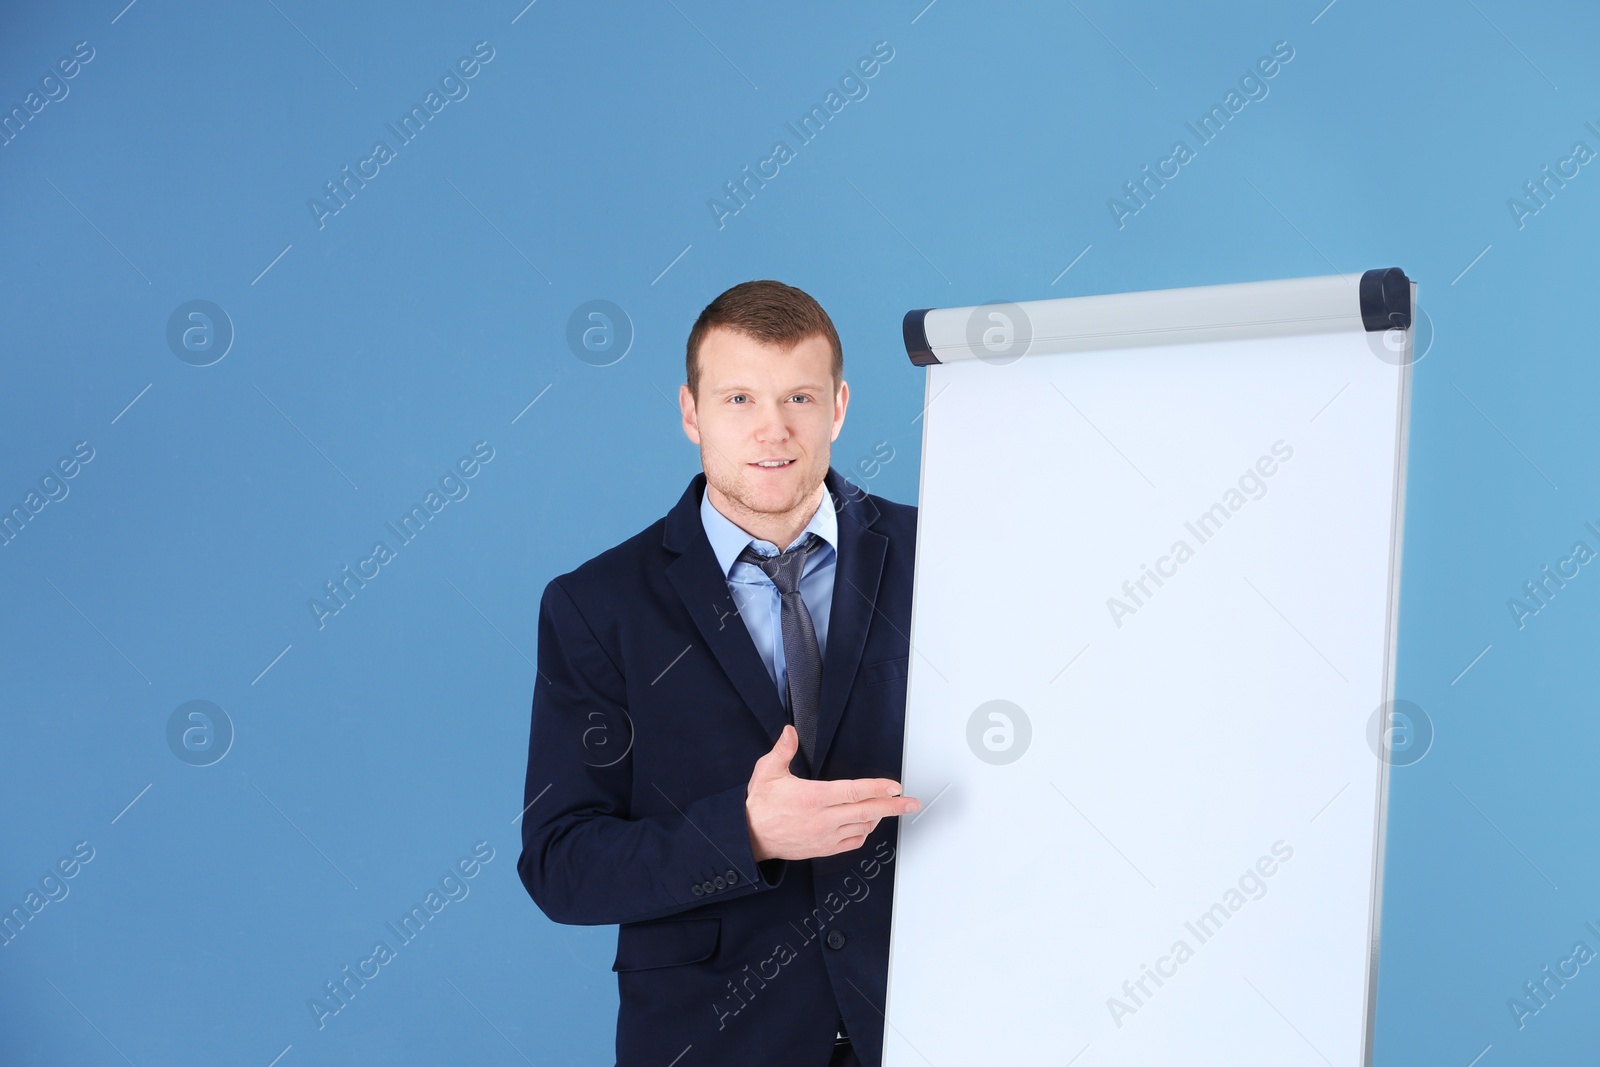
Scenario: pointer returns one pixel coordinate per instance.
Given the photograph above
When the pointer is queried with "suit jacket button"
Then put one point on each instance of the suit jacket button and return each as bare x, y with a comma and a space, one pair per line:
732, 876
697, 890
835, 939
721, 882
706, 886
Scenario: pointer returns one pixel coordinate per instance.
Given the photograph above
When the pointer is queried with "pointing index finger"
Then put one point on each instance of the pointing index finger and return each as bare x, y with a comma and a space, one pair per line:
854, 790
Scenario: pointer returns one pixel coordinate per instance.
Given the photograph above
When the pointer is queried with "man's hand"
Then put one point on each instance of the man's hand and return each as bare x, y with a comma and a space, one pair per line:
796, 818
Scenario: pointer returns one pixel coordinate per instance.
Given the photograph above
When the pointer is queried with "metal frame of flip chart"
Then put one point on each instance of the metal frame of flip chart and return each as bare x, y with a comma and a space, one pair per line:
1151, 699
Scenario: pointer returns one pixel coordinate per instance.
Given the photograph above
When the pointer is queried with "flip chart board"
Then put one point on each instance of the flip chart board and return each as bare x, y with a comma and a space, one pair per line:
1150, 705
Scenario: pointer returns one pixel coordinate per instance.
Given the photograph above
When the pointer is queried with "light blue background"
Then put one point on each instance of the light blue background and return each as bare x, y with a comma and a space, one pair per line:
427, 315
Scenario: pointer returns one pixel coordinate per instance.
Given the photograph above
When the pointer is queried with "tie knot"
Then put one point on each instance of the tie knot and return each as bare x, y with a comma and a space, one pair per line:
785, 568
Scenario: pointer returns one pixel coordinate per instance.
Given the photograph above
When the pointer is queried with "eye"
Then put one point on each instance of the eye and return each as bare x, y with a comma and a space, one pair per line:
801, 396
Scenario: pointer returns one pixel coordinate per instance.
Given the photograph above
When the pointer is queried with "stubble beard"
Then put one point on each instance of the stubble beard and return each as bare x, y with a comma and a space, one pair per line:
739, 491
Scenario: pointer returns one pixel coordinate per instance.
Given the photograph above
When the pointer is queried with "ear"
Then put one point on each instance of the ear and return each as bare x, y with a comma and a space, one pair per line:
840, 402
691, 417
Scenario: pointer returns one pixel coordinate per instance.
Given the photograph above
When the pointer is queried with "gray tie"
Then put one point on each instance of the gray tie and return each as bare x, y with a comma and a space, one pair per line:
802, 657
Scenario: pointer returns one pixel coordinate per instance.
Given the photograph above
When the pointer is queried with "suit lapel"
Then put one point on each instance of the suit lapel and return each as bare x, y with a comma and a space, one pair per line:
700, 583
855, 597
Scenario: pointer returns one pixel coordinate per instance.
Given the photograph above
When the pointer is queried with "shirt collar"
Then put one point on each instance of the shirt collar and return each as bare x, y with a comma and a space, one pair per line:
728, 539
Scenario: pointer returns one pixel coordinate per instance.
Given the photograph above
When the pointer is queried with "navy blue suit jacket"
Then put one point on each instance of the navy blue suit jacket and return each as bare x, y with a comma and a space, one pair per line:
650, 708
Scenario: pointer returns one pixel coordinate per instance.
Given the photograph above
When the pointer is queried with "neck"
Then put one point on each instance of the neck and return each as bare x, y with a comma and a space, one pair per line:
782, 529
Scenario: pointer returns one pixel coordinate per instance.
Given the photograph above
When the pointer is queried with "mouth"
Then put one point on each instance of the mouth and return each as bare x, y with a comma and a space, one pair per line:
772, 464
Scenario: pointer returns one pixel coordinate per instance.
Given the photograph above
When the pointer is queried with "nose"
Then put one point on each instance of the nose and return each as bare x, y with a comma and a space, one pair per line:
771, 426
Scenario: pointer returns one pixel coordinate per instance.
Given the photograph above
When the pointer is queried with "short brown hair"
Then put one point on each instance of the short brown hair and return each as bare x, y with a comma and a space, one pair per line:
772, 313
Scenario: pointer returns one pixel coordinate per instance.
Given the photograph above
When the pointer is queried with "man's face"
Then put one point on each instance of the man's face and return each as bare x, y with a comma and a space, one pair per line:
762, 402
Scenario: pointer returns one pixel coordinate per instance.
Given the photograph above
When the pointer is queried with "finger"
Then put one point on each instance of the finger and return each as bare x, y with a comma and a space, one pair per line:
775, 764
857, 831
851, 790
845, 844
874, 809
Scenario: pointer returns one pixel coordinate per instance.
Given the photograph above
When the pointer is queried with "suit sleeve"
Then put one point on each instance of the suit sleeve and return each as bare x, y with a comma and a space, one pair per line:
584, 860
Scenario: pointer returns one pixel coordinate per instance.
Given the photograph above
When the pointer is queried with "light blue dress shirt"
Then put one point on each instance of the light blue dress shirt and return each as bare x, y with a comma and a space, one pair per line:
755, 595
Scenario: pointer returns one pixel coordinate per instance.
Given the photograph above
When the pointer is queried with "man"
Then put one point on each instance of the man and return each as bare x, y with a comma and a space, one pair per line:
718, 717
